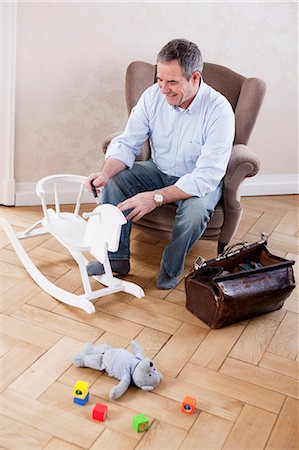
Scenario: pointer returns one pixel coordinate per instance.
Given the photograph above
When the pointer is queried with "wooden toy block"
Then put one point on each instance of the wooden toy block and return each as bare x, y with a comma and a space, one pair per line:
140, 423
80, 392
100, 412
81, 401
80, 389
188, 405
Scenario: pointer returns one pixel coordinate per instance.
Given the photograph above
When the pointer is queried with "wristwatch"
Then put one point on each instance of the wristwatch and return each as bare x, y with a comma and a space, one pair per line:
158, 198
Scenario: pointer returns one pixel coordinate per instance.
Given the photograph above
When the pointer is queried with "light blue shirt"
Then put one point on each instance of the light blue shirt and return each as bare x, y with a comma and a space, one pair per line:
193, 144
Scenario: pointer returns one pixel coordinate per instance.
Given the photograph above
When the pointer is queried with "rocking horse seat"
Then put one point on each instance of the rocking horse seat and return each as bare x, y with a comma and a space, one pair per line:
68, 228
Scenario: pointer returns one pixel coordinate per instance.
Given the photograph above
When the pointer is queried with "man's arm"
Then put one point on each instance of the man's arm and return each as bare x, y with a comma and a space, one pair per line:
207, 174
211, 165
144, 202
123, 149
127, 146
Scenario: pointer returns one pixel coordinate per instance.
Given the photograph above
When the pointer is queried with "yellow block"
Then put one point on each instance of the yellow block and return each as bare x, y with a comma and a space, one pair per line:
80, 389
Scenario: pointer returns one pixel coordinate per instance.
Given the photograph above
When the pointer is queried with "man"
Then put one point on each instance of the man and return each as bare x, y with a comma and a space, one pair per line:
191, 129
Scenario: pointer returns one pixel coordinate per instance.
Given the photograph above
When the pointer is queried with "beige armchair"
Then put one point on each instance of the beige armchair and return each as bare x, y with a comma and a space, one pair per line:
246, 97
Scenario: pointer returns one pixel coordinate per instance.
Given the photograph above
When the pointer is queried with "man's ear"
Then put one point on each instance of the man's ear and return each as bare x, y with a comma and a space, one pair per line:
196, 76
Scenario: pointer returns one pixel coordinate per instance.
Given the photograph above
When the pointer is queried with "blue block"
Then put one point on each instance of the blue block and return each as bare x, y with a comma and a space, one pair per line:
81, 401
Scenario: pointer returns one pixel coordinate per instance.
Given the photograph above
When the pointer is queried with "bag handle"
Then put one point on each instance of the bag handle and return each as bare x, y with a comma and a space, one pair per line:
233, 248
230, 250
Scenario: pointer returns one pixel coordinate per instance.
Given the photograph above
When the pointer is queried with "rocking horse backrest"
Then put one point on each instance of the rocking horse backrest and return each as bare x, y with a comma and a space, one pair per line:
103, 230
52, 182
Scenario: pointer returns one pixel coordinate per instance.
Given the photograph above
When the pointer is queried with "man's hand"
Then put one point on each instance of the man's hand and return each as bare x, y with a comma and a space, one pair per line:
140, 204
111, 167
99, 180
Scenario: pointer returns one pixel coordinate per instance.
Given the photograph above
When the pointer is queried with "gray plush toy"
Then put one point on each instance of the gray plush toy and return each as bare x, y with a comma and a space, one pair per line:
121, 364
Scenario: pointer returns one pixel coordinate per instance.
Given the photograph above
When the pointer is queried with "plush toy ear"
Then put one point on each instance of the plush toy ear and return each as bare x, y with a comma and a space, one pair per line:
147, 388
137, 350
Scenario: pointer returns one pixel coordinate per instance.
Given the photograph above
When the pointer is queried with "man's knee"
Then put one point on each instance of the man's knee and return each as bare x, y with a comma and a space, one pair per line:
120, 178
194, 211
114, 191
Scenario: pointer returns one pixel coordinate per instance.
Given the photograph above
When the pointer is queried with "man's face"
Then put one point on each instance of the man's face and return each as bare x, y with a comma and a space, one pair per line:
177, 89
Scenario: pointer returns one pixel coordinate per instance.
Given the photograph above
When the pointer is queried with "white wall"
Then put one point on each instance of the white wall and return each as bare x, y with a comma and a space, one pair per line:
71, 60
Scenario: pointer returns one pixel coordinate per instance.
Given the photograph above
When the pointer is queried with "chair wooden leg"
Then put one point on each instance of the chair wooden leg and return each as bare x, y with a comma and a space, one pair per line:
221, 246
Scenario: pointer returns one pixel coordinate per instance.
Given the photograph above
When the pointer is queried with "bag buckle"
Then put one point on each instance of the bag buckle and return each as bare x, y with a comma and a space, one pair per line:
199, 262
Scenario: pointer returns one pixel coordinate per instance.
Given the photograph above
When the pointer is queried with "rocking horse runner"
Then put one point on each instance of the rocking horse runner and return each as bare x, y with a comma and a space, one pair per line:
97, 235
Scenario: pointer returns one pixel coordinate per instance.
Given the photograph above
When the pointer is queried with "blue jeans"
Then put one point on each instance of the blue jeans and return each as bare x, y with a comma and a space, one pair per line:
192, 214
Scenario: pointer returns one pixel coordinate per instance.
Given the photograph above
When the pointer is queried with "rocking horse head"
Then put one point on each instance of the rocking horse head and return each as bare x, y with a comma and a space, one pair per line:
103, 230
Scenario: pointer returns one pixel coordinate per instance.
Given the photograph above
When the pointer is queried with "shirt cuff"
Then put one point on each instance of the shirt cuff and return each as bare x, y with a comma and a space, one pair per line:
121, 153
189, 184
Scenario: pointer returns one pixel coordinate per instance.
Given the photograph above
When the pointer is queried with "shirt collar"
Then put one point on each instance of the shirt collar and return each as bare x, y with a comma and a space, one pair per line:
195, 105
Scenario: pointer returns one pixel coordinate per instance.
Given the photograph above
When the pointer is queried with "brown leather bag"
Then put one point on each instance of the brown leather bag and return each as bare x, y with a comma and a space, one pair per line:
238, 284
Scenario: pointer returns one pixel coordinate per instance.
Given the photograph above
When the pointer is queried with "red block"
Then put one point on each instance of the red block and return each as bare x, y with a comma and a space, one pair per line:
100, 412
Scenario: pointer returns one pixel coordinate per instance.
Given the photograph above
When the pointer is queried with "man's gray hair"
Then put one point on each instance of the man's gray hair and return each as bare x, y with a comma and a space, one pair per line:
185, 52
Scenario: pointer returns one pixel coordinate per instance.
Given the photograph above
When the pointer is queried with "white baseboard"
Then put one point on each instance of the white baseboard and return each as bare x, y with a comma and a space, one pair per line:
258, 185
275, 184
26, 195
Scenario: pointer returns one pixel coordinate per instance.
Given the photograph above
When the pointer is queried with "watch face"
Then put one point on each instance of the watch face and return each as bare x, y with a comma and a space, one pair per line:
158, 198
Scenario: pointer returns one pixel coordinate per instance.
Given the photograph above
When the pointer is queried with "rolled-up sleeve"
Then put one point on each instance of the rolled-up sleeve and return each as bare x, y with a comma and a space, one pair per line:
128, 145
212, 163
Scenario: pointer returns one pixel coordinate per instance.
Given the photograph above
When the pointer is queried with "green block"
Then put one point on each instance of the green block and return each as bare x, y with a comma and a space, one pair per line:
140, 423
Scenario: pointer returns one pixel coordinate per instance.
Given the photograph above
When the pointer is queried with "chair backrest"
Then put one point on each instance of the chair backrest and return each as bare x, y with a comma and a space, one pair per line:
244, 94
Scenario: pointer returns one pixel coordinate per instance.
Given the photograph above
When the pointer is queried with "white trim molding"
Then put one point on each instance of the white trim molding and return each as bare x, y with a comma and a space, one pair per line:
26, 195
258, 185
275, 184
8, 32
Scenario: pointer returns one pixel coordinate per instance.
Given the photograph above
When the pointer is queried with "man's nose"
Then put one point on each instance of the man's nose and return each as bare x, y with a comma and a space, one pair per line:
164, 88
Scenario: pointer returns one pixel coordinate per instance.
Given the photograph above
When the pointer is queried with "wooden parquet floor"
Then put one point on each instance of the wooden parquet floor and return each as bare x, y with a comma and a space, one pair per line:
245, 376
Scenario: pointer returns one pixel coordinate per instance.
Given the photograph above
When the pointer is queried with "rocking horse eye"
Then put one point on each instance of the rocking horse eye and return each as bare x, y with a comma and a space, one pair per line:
151, 364
149, 374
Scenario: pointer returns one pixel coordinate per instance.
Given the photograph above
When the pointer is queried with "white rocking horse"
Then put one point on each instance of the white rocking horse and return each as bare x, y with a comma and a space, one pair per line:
97, 235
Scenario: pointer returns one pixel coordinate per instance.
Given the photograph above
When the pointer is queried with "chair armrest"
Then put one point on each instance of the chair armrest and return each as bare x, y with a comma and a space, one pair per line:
108, 139
243, 163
